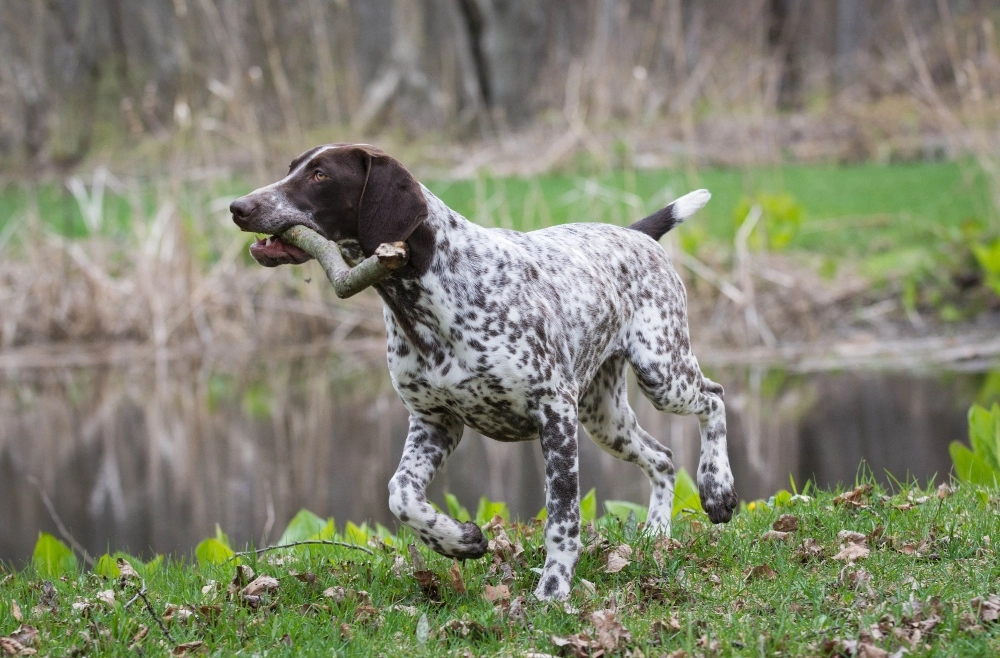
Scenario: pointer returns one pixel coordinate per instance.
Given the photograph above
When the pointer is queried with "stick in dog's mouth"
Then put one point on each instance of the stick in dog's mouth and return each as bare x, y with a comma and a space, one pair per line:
346, 280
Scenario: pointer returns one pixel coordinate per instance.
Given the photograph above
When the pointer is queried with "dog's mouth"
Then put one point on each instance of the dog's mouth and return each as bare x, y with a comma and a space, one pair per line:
271, 251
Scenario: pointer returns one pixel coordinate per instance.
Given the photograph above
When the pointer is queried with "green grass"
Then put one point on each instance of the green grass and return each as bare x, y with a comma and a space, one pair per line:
721, 587
854, 211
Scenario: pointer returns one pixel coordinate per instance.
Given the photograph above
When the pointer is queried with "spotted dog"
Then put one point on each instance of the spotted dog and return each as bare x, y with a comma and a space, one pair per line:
517, 335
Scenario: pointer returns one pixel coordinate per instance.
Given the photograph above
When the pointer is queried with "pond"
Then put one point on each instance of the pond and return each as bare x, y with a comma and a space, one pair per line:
148, 455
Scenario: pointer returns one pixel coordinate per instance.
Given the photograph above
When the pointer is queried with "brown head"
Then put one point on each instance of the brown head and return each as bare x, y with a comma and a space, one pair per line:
341, 191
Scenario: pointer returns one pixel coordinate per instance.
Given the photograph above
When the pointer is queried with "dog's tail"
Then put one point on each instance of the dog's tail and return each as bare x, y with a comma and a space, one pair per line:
661, 221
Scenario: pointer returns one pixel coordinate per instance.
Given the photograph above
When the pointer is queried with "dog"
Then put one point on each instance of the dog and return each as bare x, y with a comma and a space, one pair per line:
519, 336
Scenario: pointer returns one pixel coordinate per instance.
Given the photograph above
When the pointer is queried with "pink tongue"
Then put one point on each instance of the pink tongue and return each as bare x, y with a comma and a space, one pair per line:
280, 250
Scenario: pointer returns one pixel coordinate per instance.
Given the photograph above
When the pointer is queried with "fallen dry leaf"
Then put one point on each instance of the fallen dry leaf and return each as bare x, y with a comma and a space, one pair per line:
618, 558
610, 631
852, 552
852, 537
177, 614
15, 611
786, 523
760, 571
457, 582
577, 646
126, 573
810, 549
260, 585
988, 609
244, 574
429, 583
776, 535
307, 577
21, 641
337, 593
190, 647
857, 579
416, 558
107, 597
672, 625
499, 593
855, 498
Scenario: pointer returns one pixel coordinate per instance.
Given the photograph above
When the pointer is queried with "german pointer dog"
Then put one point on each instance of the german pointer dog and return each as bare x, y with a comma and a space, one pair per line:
517, 335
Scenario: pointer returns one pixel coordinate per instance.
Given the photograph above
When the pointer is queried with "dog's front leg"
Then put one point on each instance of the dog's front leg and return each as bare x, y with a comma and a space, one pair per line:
428, 445
562, 498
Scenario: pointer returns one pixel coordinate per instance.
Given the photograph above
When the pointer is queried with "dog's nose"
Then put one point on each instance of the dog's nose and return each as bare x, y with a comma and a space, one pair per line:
242, 208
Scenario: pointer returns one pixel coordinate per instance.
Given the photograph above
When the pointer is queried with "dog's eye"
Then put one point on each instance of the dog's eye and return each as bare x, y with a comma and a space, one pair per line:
319, 175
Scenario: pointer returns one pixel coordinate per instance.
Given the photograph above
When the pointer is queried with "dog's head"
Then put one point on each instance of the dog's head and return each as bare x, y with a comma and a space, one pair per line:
343, 192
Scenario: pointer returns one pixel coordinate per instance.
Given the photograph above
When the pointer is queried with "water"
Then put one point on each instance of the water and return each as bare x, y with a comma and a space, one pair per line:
149, 456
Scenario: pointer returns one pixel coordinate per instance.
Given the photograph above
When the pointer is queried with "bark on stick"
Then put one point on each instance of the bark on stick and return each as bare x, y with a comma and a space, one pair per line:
347, 280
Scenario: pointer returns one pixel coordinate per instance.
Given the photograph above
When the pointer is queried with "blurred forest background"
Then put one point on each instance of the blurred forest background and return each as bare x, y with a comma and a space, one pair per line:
710, 80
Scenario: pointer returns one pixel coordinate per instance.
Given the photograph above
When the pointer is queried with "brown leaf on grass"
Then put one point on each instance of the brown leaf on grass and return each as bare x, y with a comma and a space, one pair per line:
307, 577
190, 647
776, 535
337, 593
345, 632
851, 552
786, 523
618, 558
455, 573
672, 625
261, 585
499, 593
610, 631
855, 498
857, 579
15, 611
869, 650
139, 637
416, 558
366, 614
177, 614
107, 597
810, 549
760, 571
21, 641
429, 583
126, 573
852, 537
987, 610
577, 646
244, 574
468, 629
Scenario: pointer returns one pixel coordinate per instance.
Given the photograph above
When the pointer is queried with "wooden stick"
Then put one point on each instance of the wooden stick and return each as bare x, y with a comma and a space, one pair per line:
347, 280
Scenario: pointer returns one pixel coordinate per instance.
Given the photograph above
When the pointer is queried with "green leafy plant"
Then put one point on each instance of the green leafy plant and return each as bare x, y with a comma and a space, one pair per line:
780, 220
214, 550
981, 463
988, 259
52, 558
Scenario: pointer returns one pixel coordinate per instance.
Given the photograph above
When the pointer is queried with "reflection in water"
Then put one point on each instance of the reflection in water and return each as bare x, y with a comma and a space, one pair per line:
148, 459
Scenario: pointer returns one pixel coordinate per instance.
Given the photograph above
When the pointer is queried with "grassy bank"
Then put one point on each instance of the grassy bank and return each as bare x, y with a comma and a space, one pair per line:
865, 572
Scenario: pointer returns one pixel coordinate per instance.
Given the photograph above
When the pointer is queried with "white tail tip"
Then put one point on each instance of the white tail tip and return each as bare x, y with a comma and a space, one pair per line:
690, 203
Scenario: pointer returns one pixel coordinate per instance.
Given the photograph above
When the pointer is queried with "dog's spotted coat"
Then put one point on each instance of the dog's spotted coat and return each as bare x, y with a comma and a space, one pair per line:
517, 335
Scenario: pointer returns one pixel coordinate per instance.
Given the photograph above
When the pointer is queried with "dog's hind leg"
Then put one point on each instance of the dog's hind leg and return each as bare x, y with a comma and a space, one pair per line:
609, 420
428, 445
668, 373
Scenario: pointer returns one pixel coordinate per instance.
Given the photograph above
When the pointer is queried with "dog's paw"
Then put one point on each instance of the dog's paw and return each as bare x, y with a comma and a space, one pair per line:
719, 502
471, 546
552, 587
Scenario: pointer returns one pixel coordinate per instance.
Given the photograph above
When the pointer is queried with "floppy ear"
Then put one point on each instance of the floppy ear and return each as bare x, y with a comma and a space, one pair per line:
391, 205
